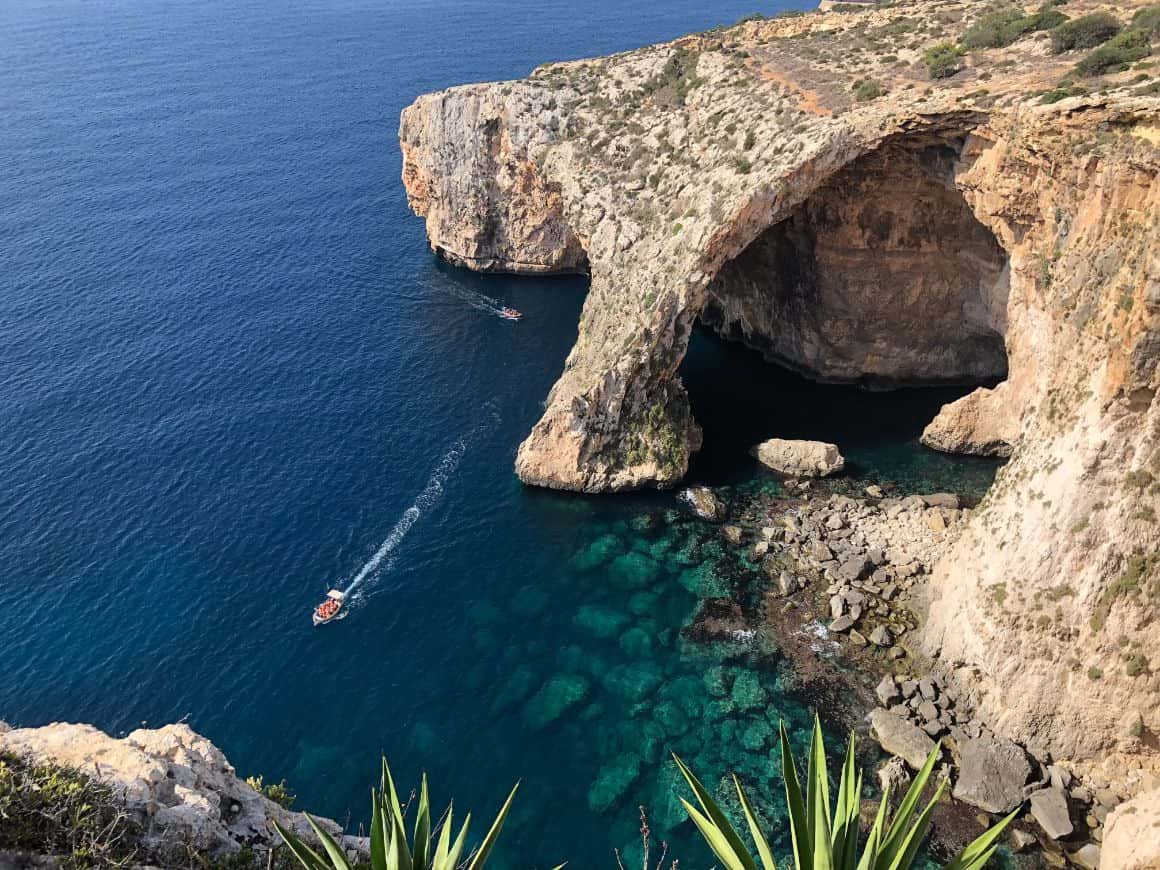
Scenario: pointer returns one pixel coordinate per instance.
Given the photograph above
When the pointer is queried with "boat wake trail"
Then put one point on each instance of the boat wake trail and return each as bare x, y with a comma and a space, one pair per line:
478, 301
383, 558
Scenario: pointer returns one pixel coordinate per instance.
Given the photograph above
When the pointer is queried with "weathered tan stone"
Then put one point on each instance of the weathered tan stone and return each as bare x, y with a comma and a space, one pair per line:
1132, 834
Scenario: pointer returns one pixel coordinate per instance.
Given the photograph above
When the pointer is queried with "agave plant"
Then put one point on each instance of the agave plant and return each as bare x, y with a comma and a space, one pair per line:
825, 838
389, 847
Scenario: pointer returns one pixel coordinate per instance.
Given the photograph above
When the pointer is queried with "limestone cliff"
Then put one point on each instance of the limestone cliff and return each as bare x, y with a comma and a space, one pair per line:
174, 782
952, 229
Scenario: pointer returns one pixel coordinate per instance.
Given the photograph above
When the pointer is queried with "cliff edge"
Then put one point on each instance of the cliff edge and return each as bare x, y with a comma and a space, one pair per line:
839, 193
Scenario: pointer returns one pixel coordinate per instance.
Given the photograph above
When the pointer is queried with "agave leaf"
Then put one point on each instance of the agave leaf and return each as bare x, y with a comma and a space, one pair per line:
715, 837
720, 820
457, 847
821, 784
443, 846
844, 838
894, 835
306, 856
378, 833
481, 854
914, 837
333, 850
398, 830
763, 849
980, 850
394, 859
874, 841
422, 841
799, 830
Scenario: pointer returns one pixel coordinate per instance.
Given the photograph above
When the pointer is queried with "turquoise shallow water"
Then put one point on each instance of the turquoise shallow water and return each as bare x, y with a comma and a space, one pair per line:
231, 368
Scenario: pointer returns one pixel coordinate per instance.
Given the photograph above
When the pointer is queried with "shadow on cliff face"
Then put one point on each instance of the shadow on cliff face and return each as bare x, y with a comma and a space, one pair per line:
740, 399
883, 276
884, 279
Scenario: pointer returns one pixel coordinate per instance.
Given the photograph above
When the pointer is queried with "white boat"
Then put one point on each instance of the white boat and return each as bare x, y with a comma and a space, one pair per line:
509, 313
332, 608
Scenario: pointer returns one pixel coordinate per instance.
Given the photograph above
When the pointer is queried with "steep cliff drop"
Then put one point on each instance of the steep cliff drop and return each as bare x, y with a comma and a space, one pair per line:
959, 227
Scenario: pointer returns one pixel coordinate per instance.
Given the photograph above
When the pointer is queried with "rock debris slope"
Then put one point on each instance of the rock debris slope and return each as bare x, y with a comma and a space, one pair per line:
956, 228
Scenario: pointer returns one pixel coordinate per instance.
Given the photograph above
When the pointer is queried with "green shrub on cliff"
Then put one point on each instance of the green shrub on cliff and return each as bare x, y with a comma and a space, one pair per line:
1002, 27
943, 60
1148, 19
1116, 53
50, 810
1085, 32
827, 837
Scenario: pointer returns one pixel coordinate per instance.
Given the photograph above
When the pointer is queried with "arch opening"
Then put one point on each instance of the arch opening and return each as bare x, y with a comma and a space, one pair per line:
884, 296
883, 277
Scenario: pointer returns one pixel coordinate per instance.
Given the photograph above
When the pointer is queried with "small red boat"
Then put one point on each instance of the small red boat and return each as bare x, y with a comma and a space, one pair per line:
330, 609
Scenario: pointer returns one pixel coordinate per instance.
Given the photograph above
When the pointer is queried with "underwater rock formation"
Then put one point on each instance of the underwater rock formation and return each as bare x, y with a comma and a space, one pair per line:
958, 228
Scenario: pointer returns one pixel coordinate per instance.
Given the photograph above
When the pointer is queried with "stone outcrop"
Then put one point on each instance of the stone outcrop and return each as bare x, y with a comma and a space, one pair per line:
899, 737
980, 423
1132, 834
800, 458
175, 782
955, 229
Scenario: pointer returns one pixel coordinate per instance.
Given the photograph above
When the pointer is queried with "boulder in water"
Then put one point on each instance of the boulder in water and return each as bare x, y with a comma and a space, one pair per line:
704, 503
800, 458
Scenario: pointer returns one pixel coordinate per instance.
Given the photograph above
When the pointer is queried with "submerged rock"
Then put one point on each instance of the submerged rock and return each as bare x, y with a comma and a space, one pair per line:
703, 502
614, 779
800, 458
555, 697
718, 619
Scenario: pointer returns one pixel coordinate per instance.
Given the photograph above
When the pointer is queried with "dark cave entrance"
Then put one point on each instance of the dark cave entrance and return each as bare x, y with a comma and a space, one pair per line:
878, 300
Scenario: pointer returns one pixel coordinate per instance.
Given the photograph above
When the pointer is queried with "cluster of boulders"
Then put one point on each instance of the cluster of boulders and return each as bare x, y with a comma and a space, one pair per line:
988, 772
869, 549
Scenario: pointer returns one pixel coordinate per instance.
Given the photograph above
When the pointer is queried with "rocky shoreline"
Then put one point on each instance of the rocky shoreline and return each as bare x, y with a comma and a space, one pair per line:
846, 592
177, 788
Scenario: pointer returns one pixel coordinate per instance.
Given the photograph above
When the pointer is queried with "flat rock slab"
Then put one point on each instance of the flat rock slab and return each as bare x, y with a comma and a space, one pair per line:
1049, 807
992, 774
899, 737
800, 458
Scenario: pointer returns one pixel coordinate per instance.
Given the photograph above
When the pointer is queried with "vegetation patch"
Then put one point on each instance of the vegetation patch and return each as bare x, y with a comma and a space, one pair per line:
1116, 54
1086, 32
1003, 26
943, 60
50, 810
867, 89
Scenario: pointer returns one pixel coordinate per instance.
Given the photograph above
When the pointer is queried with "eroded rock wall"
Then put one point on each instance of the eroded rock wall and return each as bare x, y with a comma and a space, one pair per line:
883, 275
1048, 601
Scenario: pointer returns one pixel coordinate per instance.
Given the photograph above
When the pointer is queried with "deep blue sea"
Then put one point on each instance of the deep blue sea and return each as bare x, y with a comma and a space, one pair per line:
228, 369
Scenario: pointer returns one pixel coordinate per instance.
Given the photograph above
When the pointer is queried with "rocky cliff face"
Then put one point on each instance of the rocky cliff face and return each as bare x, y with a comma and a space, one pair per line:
177, 784
952, 229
